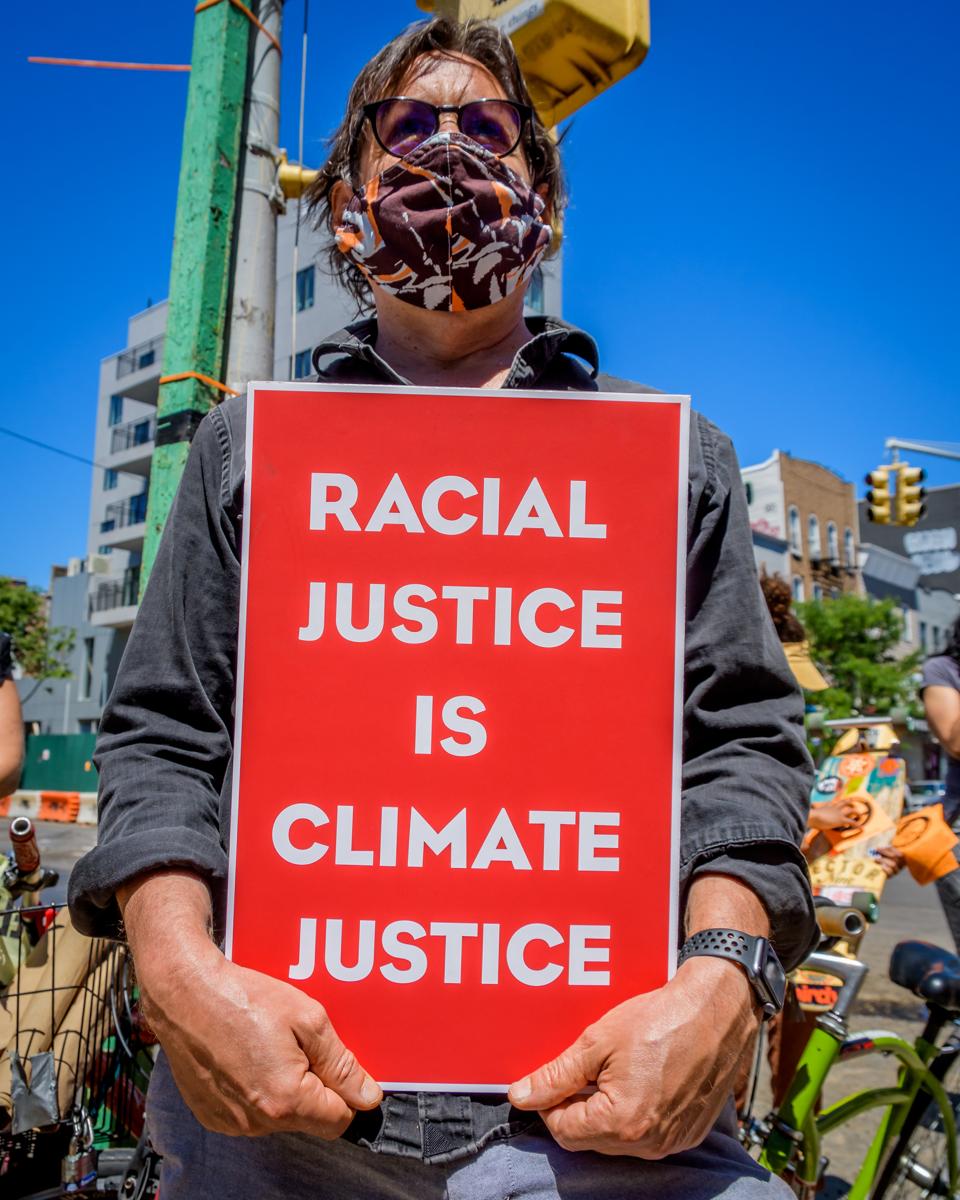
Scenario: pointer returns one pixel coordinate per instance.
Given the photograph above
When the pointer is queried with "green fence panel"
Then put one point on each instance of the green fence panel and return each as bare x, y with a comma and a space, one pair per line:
59, 762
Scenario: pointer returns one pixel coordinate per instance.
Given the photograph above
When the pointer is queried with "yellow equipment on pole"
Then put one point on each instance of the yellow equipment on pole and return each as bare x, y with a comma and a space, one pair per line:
570, 50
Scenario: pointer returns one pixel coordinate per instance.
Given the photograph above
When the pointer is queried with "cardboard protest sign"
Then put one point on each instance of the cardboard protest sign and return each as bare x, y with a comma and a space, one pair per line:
457, 760
874, 781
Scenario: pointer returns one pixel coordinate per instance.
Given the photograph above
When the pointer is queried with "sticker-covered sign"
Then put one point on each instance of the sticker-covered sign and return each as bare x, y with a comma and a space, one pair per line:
871, 783
457, 756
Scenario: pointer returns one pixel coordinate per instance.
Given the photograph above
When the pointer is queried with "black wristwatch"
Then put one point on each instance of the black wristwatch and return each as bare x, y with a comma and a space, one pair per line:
755, 954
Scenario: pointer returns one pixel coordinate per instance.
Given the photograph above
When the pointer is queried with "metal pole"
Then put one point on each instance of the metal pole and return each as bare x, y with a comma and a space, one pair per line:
253, 314
931, 448
202, 244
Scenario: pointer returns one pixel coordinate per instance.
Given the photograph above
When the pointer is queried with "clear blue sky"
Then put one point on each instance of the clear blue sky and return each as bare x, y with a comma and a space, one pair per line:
764, 215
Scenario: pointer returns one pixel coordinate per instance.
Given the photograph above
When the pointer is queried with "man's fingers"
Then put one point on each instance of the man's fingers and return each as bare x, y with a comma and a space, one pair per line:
335, 1064
582, 1122
320, 1111
568, 1073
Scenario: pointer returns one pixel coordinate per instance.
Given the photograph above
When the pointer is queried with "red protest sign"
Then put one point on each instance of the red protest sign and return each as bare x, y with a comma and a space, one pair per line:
456, 775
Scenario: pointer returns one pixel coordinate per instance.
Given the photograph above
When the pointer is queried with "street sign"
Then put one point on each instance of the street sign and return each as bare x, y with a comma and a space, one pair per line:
458, 716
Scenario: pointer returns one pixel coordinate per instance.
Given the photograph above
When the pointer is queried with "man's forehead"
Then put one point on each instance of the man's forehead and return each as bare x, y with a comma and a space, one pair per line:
451, 72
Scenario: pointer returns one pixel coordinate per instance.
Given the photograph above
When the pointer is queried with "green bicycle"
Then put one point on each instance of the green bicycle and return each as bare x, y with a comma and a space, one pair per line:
914, 1151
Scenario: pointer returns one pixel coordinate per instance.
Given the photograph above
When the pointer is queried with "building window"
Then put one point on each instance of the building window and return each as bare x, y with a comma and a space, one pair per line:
305, 289
301, 364
89, 725
748, 488
907, 627
109, 479
105, 549
935, 631
817, 592
115, 415
138, 509
793, 520
923, 635
797, 588
813, 535
848, 548
833, 544
86, 673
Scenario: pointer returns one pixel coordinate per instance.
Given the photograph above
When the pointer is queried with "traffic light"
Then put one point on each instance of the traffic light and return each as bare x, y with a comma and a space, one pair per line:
878, 498
908, 502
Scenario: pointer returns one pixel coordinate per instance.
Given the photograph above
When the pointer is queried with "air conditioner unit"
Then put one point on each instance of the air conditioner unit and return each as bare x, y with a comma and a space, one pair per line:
98, 564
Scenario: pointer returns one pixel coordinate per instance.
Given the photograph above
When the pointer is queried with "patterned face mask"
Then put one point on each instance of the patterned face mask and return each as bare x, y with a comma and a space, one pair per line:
449, 227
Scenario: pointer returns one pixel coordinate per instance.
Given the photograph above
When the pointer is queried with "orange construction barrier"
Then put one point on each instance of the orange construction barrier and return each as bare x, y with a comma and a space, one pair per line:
59, 806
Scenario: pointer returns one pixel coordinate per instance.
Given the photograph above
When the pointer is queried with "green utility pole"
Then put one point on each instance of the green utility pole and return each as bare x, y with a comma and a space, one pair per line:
202, 246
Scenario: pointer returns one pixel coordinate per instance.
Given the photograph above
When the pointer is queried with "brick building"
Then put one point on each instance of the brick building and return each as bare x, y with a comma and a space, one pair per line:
811, 512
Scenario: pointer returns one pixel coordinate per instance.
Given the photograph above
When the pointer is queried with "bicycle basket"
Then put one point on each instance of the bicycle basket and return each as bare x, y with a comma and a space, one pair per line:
73, 1058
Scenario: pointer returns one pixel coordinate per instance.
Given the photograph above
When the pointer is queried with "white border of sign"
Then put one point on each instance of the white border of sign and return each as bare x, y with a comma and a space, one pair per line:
624, 397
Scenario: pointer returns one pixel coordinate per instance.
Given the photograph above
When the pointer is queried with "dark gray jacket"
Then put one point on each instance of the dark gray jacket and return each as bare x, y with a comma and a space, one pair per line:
166, 736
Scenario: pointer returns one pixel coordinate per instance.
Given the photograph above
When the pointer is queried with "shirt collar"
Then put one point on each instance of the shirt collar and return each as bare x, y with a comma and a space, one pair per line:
550, 338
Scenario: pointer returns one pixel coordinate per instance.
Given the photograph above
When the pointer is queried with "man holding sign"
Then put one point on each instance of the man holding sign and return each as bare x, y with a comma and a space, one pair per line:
421, 671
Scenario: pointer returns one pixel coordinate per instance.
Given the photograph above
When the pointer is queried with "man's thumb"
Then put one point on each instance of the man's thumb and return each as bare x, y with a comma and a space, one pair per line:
564, 1076
338, 1068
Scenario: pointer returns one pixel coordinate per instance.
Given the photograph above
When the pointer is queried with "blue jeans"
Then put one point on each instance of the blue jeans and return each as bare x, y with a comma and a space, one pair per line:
514, 1164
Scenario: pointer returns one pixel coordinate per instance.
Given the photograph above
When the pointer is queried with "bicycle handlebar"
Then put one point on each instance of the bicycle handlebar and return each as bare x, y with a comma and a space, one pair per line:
840, 922
26, 852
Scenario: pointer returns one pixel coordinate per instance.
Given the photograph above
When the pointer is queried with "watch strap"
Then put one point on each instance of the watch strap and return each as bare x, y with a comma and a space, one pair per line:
738, 947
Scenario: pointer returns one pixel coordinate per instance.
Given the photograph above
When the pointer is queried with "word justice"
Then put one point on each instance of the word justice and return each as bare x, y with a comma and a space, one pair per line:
336, 496
549, 837
465, 613
483, 949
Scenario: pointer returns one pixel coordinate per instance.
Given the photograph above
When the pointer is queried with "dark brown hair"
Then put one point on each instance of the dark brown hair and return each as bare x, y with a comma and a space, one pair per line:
779, 598
952, 648
380, 78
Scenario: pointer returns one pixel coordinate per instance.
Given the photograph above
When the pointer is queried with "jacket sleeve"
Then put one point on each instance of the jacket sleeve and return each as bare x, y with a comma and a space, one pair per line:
165, 735
746, 771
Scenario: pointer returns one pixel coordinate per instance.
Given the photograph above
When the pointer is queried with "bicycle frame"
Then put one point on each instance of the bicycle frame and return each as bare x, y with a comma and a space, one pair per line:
795, 1139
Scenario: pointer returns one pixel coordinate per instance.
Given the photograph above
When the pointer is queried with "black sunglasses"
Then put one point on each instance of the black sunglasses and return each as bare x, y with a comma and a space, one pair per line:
400, 124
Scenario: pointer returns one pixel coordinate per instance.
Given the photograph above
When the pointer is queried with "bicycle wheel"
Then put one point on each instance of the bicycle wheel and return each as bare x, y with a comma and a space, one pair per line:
917, 1165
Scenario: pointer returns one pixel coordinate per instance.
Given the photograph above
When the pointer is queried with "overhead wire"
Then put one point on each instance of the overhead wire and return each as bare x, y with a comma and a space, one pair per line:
296, 232
65, 453
113, 66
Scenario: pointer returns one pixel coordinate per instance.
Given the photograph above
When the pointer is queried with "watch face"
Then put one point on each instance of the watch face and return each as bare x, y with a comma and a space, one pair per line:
774, 977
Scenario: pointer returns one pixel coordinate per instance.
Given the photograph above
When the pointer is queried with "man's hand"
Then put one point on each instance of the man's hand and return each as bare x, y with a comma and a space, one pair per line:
890, 860
664, 1063
250, 1055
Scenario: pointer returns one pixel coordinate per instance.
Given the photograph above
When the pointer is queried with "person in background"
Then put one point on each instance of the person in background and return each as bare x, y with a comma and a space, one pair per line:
789, 1032
941, 702
792, 635
11, 722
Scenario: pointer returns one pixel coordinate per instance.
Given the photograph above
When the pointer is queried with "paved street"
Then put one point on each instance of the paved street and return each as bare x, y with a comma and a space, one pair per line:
907, 911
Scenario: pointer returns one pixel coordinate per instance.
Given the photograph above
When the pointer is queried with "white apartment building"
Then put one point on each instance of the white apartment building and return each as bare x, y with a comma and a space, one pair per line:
310, 305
